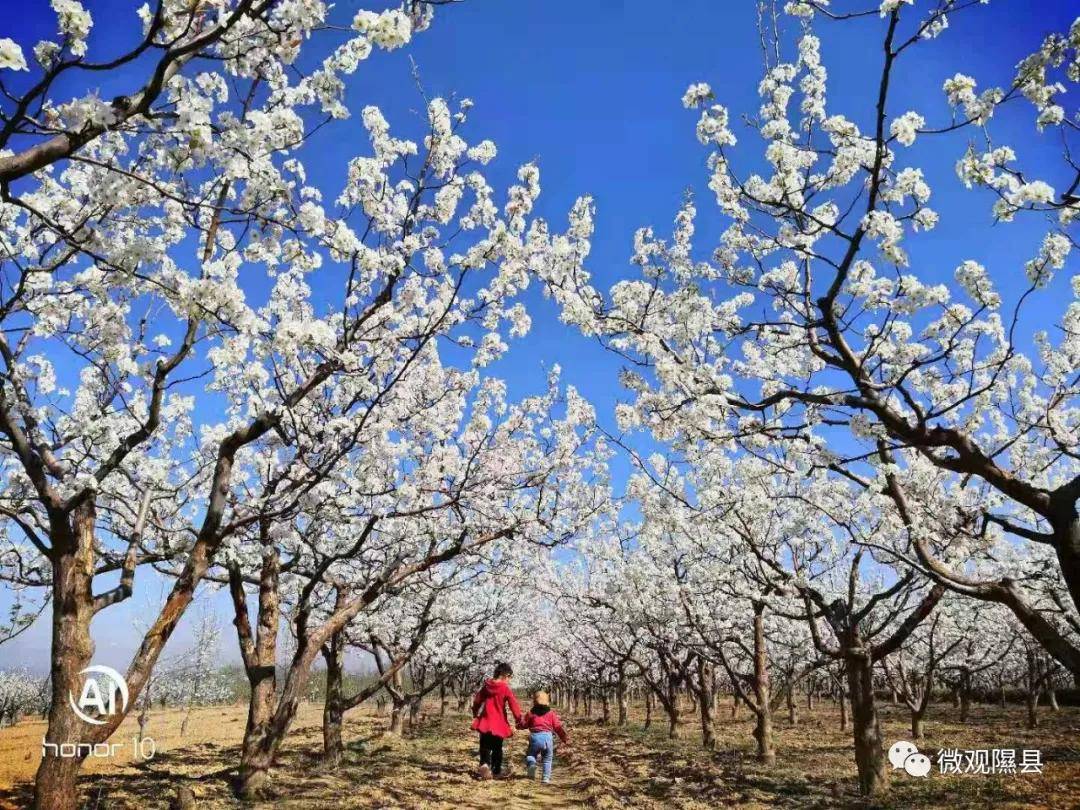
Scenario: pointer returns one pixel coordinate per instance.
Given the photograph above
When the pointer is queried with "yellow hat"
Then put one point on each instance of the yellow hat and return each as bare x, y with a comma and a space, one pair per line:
541, 698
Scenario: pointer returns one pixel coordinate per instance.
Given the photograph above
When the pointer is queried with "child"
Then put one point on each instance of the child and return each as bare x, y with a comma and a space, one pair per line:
489, 713
542, 722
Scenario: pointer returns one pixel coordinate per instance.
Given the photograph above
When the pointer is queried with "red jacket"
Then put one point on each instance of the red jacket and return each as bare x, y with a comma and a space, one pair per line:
542, 718
489, 709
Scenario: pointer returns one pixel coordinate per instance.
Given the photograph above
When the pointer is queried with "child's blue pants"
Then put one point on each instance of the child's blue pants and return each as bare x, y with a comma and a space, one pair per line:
541, 747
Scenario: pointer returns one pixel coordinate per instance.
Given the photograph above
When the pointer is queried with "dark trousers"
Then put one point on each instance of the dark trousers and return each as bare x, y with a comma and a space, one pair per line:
491, 752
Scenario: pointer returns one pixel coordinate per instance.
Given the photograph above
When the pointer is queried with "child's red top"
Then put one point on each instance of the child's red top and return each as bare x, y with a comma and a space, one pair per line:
489, 709
544, 718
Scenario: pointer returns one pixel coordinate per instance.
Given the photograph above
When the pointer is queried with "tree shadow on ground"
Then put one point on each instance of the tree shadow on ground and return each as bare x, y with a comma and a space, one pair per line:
605, 767
18, 795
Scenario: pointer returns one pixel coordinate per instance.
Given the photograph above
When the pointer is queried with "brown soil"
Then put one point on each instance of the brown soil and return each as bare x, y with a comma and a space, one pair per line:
604, 767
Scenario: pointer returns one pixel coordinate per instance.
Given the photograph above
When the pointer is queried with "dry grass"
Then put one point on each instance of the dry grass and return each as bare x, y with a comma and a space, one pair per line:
20, 746
604, 768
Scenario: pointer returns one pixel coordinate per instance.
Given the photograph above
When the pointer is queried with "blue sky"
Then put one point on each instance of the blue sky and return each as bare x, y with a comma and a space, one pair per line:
592, 91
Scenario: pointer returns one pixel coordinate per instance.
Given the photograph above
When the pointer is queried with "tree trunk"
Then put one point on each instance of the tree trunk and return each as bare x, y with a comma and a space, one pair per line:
397, 718
1067, 544
763, 737
333, 745
792, 712
260, 747
414, 711
397, 704
648, 709
965, 695
766, 752
916, 725
672, 708
72, 649
253, 781
1034, 679
1032, 703
705, 704
673, 723
1051, 698
444, 699
620, 697
605, 707
843, 711
869, 753
184, 722
144, 716
255, 757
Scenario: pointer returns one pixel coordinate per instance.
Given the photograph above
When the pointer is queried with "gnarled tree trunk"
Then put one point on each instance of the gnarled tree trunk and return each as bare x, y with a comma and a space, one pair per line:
620, 697
917, 724
869, 750
766, 752
333, 709
259, 655
704, 685
965, 694
72, 649
398, 704
671, 706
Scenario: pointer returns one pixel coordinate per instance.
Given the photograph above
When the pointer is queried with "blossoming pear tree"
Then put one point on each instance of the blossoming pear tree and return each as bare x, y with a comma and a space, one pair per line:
817, 319
408, 500
912, 670
591, 646
195, 333
988, 634
866, 603
19, 695
465, 618
740, 619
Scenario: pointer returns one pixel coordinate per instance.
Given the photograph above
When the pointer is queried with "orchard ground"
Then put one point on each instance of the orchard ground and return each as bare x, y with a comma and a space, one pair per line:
604, 767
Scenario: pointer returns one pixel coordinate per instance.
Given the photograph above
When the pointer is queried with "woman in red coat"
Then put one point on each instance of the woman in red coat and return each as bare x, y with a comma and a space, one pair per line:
489, 718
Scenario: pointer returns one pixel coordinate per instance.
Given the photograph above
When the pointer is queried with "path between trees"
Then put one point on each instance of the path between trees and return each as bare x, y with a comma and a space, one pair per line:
604, 768
598, 769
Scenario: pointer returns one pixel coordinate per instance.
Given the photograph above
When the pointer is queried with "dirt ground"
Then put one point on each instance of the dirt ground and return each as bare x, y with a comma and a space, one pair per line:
603, 768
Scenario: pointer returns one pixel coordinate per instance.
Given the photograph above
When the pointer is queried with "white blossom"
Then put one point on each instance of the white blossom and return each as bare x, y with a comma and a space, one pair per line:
11, 55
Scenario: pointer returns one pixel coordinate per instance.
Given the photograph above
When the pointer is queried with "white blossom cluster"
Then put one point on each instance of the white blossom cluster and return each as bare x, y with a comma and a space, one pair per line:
817, 325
